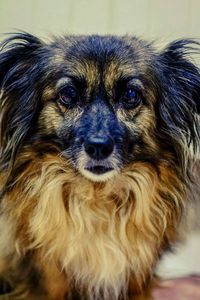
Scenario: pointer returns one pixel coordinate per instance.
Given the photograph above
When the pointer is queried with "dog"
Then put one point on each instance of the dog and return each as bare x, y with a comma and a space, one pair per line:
99, 159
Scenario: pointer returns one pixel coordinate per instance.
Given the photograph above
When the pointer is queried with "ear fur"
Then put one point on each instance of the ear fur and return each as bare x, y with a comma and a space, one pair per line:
180, 94
19, 72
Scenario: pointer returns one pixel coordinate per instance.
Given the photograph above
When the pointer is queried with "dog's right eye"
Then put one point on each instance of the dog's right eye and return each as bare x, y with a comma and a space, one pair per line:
68, 96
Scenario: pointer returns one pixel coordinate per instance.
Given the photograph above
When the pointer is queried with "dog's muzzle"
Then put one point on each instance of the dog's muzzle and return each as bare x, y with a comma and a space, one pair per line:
97, 160
98, 149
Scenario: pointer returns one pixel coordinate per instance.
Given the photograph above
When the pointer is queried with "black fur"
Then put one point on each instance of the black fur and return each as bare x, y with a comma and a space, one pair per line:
179, 92
20, 69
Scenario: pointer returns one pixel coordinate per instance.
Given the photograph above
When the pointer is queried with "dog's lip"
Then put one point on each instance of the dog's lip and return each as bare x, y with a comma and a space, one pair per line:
99, 169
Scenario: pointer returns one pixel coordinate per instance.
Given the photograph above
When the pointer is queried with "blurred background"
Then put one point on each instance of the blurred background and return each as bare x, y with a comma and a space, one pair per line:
151, 19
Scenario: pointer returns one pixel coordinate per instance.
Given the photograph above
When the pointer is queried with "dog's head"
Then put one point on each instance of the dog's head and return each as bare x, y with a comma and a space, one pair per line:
103, 102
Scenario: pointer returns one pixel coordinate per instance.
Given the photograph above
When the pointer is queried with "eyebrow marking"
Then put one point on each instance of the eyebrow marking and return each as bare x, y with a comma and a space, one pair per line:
63, 81
137, 83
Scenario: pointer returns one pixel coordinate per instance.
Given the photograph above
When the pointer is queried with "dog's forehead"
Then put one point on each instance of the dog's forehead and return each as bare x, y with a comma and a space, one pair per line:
97, 58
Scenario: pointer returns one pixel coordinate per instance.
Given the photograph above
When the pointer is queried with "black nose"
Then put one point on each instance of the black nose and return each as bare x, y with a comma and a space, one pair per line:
99, 147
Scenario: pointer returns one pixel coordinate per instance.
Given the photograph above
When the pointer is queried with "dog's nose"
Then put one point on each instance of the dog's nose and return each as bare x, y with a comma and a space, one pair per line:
99, 147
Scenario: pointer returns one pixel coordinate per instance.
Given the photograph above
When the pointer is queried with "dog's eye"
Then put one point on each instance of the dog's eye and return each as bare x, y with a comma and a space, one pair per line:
68, 96
131, 98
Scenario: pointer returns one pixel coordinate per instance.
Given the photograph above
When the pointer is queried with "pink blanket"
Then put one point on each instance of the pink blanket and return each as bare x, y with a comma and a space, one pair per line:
178, 289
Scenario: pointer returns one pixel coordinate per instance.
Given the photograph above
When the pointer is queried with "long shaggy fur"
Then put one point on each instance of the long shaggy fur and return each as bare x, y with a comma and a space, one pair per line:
63, 235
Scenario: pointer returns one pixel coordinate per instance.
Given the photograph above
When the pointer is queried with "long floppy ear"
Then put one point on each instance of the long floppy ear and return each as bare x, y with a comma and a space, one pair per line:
19, 72
180, 98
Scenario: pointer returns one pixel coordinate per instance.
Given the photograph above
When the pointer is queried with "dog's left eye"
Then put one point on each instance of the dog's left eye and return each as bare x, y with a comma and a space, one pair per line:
131, 98
68, 96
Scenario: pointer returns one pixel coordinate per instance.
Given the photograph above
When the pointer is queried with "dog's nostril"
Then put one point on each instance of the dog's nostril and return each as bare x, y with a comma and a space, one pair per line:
90, 149
99, 147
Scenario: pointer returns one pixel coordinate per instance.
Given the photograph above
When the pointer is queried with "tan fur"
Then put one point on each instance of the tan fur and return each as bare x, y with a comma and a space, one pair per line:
100, 235
144, 123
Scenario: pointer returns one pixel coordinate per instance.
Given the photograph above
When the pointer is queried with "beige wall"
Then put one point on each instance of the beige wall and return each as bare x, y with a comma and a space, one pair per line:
160, 19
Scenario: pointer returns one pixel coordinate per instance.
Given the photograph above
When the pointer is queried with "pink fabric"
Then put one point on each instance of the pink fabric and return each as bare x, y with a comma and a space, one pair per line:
178, 289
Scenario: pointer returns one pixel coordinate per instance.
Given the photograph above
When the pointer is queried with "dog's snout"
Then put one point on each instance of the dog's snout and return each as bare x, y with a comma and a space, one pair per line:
99, 147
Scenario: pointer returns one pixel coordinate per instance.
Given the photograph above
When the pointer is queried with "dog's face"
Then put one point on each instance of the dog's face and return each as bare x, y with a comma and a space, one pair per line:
100, 104
106, 102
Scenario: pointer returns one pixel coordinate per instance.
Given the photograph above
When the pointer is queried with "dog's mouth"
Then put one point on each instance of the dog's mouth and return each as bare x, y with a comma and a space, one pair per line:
96, 171
99, 170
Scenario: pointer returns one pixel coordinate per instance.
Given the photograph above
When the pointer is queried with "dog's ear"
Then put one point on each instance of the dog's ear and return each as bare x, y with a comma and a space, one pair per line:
19, 72
179, 98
